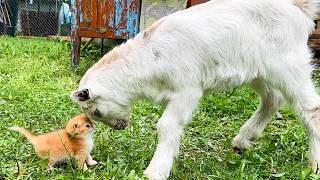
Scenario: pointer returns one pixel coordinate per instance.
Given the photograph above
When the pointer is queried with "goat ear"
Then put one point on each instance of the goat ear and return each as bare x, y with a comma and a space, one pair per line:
81, 95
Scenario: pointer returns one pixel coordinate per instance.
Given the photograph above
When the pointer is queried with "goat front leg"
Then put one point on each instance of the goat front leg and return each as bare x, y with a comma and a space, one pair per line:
170, 127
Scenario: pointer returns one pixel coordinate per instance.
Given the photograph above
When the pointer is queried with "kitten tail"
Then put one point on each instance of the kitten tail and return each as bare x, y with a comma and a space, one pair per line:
25, 132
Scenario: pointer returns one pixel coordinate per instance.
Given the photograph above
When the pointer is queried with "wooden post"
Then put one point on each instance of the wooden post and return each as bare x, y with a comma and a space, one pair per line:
195, 2
13, 8
75, 39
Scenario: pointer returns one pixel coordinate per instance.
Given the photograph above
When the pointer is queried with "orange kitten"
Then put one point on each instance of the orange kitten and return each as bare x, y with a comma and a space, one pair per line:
75, 141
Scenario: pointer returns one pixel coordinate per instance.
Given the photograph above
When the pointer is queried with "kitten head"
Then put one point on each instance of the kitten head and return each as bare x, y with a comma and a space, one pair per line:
80, 126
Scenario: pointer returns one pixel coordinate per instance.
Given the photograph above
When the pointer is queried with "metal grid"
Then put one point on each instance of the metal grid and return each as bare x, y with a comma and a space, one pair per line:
35, 17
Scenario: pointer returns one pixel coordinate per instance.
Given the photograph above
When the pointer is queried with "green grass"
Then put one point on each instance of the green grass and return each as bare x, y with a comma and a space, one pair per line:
35, 83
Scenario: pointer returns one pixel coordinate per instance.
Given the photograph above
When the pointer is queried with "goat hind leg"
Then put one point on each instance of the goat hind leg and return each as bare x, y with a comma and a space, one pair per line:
271, 101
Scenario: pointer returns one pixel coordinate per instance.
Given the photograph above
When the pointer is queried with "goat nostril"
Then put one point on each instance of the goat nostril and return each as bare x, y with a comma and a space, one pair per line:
121, 124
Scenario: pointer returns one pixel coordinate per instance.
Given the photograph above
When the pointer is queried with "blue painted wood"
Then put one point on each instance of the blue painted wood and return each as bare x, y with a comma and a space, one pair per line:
125, 9
120, 12
74, 22
119, 5
132, 19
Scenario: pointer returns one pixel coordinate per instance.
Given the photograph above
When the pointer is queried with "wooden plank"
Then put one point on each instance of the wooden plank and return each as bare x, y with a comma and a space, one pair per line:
195, 2
75, 38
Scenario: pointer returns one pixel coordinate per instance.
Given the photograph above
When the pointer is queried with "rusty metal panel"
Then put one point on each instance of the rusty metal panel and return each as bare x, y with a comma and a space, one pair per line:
106, 12
113, 19
116, 19
88, 12
119, 18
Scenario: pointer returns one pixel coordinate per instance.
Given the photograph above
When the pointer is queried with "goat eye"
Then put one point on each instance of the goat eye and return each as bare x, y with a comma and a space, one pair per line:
97, 113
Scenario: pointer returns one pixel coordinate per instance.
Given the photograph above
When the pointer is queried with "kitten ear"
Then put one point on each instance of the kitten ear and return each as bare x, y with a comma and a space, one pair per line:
76, 126
81, 95
74, 131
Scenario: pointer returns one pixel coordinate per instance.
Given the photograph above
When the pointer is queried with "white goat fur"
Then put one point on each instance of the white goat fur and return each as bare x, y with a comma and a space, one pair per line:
215, 46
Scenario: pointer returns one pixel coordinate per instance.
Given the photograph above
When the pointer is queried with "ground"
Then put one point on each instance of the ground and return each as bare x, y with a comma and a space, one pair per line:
35, 83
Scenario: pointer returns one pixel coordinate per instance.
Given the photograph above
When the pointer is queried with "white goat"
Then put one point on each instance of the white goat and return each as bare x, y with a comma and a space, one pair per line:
214, 46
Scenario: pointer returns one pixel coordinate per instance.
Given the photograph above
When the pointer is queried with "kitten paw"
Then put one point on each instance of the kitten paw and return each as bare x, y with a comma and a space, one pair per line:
50, 168
92, 163
84, 168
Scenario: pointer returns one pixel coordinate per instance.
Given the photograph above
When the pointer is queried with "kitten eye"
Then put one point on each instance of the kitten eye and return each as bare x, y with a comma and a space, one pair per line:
88, 126
97, 113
